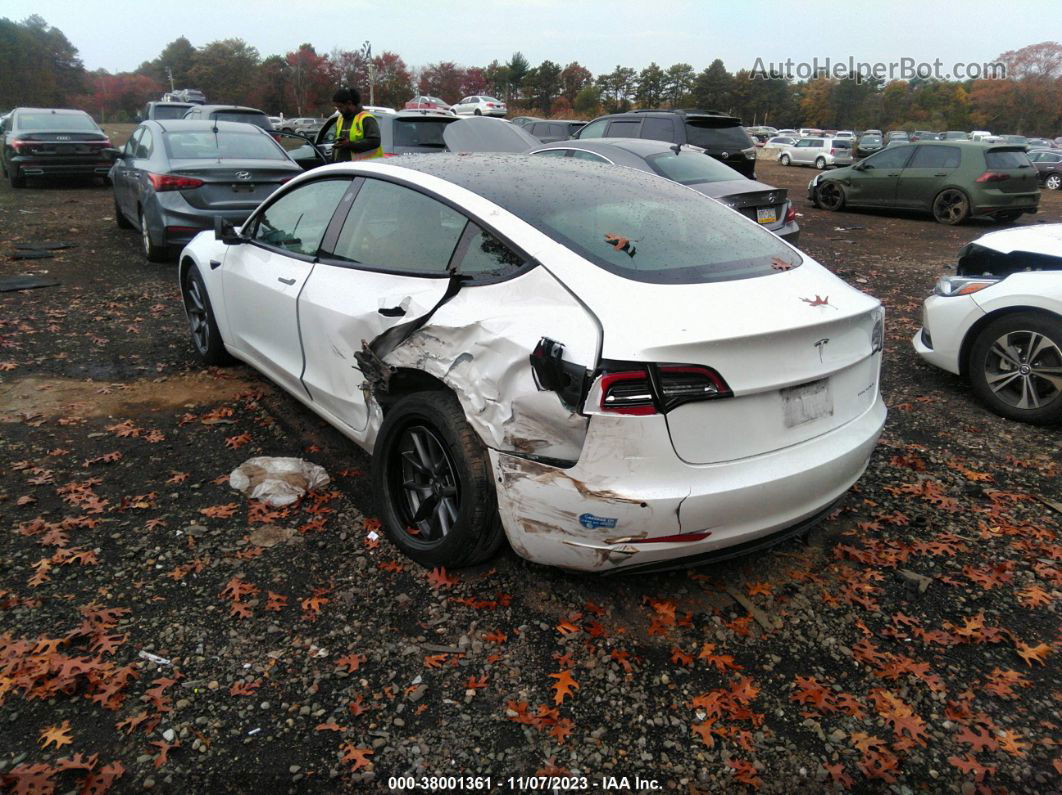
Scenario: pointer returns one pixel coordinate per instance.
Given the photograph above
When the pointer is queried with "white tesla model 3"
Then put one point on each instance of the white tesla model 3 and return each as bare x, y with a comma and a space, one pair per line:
610, 370
998, 322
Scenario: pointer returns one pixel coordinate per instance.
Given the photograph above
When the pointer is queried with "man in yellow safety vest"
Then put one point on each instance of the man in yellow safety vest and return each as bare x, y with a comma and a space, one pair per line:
357, 133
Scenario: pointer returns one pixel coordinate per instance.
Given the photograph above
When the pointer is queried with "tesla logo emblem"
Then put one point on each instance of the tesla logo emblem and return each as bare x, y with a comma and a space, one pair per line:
62, 137
821, 344
244, 175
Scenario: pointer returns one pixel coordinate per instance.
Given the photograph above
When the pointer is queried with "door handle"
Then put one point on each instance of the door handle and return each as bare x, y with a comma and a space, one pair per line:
392, 311
941, 174
893, 175
285, 281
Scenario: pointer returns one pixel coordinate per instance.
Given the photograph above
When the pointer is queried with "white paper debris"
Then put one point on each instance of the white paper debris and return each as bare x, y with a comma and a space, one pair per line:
277, 481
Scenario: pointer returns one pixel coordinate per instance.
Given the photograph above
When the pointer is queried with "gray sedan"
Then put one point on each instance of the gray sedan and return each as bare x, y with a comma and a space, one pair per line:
685, 164
173, 178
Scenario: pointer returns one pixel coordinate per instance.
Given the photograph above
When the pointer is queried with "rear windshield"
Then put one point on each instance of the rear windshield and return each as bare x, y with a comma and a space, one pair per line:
420, 132
691, 168
207, 145
74, 122
708, 136
641, 227
169, 111
1006, 158
841, 143
258, 119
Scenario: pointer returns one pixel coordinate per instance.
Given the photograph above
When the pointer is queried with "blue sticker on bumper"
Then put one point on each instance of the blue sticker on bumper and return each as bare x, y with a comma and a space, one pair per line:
591, 522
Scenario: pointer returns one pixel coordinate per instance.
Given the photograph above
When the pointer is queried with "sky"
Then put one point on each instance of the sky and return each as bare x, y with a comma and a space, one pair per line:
600, 34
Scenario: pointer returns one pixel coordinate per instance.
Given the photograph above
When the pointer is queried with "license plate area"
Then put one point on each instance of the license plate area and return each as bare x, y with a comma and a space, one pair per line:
807, 402
766, 215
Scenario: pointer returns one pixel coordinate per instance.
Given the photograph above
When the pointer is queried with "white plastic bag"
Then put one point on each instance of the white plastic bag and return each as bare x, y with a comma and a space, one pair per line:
277, 481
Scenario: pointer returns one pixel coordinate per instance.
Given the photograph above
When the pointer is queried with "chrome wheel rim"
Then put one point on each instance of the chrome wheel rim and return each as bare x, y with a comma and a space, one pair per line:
1024, 369
426, 487
829, 196
950, 206
1053, 182
195, 306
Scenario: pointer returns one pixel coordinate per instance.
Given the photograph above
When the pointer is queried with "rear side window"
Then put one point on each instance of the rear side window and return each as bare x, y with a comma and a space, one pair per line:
420, 132
658, 129
711, 136
394, 228
1005, 158
297, 221
487, 256
936, 157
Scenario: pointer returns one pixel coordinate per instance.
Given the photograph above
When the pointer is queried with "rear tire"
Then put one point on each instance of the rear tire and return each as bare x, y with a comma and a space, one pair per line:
206, 338
1015, 367
478, 112
951, 207
151, 251
432, 473
1053, 181
820, 163
784, 160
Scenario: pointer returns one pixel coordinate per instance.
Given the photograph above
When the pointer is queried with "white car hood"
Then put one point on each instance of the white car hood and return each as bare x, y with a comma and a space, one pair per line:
1041, 239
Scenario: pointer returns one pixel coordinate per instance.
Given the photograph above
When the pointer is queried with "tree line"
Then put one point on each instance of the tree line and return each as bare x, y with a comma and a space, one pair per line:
39, 66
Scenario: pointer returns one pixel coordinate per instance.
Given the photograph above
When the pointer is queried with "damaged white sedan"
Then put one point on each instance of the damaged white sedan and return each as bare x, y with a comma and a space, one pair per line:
610, 370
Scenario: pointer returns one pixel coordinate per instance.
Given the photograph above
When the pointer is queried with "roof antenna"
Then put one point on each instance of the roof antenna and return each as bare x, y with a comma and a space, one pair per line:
677, 149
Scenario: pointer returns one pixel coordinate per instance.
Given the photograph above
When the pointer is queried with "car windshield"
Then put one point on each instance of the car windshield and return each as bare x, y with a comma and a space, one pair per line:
707, 135
871, 139
207, 145
691, 168
73, 122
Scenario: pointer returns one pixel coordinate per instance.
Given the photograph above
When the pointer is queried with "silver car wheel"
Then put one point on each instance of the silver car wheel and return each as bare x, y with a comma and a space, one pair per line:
1024, 369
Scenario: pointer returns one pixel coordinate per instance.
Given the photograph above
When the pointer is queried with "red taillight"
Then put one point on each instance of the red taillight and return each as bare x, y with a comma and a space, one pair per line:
790, 213
833, 151
18, 145
641, 393
162, 182
490, 104
627, 393
993, 176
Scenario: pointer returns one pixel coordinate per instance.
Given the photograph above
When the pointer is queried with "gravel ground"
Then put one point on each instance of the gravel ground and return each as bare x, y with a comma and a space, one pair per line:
157, 631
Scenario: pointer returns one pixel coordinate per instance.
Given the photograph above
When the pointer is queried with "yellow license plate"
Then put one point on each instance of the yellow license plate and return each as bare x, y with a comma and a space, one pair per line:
768, 216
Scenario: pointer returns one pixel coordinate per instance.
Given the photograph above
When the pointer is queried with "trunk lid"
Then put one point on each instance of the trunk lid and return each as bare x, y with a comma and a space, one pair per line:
746, 196
1022, 176
795, 348
233, 184
63, 143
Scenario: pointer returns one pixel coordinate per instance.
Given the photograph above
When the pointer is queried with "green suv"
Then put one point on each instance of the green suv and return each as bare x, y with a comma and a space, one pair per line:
952, 180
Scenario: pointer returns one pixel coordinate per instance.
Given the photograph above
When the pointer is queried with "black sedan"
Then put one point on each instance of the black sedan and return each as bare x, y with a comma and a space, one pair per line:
684, 164
53, 142
174, 177
1048, 167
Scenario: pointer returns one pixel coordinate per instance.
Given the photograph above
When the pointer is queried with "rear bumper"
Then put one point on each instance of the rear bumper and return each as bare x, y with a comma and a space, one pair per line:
629, 486
174, 211
59, 167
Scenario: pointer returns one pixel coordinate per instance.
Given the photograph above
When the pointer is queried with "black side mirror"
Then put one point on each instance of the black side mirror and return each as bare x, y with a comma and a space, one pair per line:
225, 231
113, 154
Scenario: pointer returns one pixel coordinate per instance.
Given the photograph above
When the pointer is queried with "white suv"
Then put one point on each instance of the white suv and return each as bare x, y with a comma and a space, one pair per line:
480, 106
819, 152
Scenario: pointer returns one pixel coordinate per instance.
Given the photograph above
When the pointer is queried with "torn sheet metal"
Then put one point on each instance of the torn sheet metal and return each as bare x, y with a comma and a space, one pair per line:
480, 343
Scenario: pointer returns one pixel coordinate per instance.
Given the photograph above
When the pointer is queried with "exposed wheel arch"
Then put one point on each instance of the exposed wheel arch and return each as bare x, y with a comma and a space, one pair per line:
974, 330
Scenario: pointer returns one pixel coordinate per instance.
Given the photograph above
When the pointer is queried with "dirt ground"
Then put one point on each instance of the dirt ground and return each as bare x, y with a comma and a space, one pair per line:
158, 631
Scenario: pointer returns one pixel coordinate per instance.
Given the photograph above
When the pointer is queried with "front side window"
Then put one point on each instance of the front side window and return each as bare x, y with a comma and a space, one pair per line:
894, 157
145, 146
297, 221
936, 157
595, 129
624, 129
394, 228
